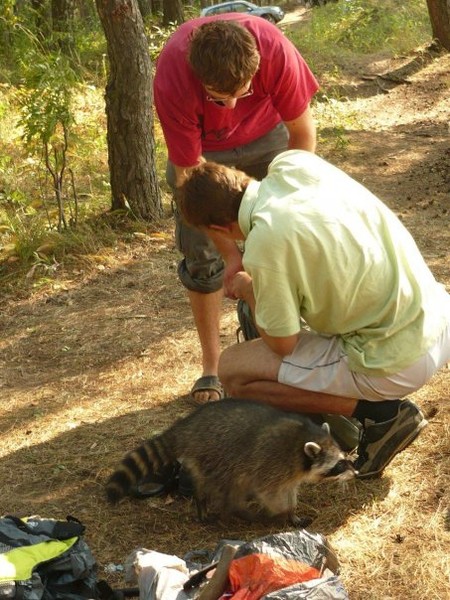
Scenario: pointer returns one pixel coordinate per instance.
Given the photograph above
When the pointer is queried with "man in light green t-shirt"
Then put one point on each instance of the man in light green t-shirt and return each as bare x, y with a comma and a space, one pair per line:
350, 318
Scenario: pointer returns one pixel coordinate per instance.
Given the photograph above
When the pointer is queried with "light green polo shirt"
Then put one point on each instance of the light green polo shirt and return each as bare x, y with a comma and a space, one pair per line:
322, 247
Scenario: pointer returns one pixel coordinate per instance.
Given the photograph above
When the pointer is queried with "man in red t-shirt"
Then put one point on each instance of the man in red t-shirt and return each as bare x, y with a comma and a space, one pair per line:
234, 90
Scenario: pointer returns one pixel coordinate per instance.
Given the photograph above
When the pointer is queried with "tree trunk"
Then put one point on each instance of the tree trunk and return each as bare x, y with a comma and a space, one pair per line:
439, 11
173, 12
86, 11
156, 6
131, 145
145, 6
42, 18
62, 19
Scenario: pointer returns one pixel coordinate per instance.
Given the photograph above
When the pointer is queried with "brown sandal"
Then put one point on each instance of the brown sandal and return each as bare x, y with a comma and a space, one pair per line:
207, 383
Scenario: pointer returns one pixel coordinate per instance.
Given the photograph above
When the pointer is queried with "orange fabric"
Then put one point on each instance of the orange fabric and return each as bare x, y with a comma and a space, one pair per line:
255, 575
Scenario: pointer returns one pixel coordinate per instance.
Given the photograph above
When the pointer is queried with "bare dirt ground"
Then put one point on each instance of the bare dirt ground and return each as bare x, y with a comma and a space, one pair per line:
101, 357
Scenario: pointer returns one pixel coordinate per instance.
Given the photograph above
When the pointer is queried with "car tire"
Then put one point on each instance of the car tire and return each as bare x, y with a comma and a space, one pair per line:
269, 18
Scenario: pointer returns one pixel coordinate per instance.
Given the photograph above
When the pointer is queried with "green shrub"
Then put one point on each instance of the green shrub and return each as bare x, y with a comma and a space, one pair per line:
337, 30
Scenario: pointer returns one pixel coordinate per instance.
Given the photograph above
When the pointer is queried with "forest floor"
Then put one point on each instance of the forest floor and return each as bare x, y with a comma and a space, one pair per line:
101, 357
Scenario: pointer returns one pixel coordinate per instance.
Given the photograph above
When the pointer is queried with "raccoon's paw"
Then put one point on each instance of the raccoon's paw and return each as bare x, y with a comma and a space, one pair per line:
290, 518
249, 515
201, 506
300, 522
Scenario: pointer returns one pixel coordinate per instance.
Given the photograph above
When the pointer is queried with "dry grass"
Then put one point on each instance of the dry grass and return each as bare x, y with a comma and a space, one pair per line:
101, 357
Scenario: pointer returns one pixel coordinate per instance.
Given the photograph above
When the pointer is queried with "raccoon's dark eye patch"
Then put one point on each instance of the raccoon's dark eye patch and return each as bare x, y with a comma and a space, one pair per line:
340, 467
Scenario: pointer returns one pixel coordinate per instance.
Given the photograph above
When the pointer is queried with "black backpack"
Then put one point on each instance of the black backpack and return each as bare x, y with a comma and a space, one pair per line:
47, 559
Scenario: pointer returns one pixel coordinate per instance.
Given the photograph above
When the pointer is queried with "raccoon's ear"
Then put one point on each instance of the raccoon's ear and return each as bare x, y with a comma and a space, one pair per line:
312, 449
326, 427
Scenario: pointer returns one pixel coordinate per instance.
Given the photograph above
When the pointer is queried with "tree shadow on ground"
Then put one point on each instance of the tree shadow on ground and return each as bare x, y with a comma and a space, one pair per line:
124, 312
410, 173
66, 475
369, 79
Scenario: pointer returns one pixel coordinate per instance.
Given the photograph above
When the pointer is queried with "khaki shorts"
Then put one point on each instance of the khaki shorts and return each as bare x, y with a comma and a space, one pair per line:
319, 363
201, 269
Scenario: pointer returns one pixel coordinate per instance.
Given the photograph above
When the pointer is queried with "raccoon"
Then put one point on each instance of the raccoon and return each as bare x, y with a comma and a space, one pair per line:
244, 458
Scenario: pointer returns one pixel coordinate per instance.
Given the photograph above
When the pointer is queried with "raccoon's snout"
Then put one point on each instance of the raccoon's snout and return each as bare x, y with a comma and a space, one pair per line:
342, 466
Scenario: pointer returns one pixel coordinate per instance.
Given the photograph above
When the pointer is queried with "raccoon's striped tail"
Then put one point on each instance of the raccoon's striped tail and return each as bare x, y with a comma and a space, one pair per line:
138, 464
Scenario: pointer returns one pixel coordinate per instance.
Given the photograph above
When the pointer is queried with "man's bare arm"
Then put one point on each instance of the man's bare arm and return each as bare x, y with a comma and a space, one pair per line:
242, 288
302, 132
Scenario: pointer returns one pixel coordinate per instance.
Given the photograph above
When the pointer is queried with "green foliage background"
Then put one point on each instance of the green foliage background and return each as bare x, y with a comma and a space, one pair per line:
45, 84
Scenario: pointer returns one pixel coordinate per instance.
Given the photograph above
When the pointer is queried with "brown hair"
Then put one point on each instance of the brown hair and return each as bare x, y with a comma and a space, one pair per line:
223, 55
212, 195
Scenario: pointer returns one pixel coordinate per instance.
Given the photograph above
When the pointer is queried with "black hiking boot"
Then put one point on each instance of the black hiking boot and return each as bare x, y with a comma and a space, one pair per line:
381, 442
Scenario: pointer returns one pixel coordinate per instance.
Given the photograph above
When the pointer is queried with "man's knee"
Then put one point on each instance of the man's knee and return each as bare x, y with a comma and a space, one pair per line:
196, 279
246, 363
227, 370
201, 269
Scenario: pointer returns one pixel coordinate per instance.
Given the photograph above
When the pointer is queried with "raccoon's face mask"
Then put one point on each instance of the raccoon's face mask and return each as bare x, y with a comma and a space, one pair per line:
342, 470
328, 465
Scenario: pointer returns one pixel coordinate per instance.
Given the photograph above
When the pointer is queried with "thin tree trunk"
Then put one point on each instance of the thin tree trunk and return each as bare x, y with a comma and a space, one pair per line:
173, 12
145, 6
42, 18
62, 19
439, 11
131, 146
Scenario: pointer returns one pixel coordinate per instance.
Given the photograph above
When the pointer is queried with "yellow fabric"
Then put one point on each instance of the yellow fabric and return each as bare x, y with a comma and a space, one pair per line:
19, 563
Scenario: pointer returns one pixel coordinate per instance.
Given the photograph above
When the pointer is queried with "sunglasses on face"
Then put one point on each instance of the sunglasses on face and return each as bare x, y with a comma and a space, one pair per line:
212, 98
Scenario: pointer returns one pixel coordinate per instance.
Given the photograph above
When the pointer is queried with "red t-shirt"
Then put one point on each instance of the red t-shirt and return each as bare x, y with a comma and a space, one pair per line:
282, 89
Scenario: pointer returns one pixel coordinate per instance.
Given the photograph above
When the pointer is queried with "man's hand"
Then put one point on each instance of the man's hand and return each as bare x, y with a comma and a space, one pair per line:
232, 266
242, 288
232, 257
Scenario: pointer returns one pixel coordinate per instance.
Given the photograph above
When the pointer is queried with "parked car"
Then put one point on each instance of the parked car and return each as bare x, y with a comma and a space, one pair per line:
274, 14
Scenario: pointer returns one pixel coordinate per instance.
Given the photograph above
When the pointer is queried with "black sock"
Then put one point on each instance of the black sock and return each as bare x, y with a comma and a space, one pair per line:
376, 411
